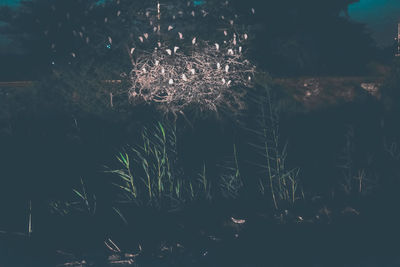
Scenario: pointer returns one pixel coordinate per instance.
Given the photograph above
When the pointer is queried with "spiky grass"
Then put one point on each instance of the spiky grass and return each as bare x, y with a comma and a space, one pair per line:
151, 175
231, 179
281, 181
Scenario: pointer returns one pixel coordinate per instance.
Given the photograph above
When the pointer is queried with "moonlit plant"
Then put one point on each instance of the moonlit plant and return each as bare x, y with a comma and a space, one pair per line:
208, 74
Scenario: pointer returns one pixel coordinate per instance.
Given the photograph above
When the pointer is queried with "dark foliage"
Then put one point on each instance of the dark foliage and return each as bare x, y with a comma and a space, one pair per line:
290, 37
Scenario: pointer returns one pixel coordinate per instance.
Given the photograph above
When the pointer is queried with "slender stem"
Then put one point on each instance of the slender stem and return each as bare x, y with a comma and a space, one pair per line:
132, 184
268, 160
236, 161
30, 219
158, 18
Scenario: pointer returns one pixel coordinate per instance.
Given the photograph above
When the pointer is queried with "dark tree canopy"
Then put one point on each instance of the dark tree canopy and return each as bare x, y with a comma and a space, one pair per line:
290, 37
309, 37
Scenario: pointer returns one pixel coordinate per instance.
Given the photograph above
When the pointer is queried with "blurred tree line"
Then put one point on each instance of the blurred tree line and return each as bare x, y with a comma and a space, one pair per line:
289, 37
310, 38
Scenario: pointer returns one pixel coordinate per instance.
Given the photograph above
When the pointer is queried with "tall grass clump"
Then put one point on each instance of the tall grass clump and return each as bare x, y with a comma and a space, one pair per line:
81, 201
356, 180
147, 171
151, 173
276, 178
231, 179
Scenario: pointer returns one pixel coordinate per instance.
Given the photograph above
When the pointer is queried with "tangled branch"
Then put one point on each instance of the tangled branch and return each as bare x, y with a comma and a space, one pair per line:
208, 76
191, 71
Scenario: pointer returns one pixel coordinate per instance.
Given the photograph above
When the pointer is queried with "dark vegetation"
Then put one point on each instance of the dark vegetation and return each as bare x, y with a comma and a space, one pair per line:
273, 185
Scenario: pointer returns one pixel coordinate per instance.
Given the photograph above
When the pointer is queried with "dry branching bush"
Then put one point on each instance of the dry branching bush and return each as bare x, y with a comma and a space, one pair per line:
176, 70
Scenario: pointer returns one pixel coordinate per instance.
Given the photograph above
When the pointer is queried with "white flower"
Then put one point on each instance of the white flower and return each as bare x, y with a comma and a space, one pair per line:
176, 48
217, 46
118, 13
184, 77
132, 50
141, 39
170, 27
238, 221
171, 82
180, 35
218, 66
227, 68
169, 51
146, 35
230, 52
192, 71
194, 40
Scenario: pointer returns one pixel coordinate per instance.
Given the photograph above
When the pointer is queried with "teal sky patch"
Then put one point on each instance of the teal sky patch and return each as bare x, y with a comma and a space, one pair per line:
381, 17
9, 2
199, 2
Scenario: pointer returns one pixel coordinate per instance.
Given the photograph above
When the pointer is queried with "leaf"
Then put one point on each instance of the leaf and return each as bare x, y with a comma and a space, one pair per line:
120, 215
124, 176
79, 194
123, 187
124, 159
162, 129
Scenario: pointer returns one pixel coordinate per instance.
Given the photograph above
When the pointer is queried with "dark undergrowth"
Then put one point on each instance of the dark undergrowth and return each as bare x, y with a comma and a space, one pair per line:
273, 186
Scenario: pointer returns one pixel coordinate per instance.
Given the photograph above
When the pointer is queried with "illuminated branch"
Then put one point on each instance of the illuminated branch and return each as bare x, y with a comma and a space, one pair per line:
208, 76
205, 74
